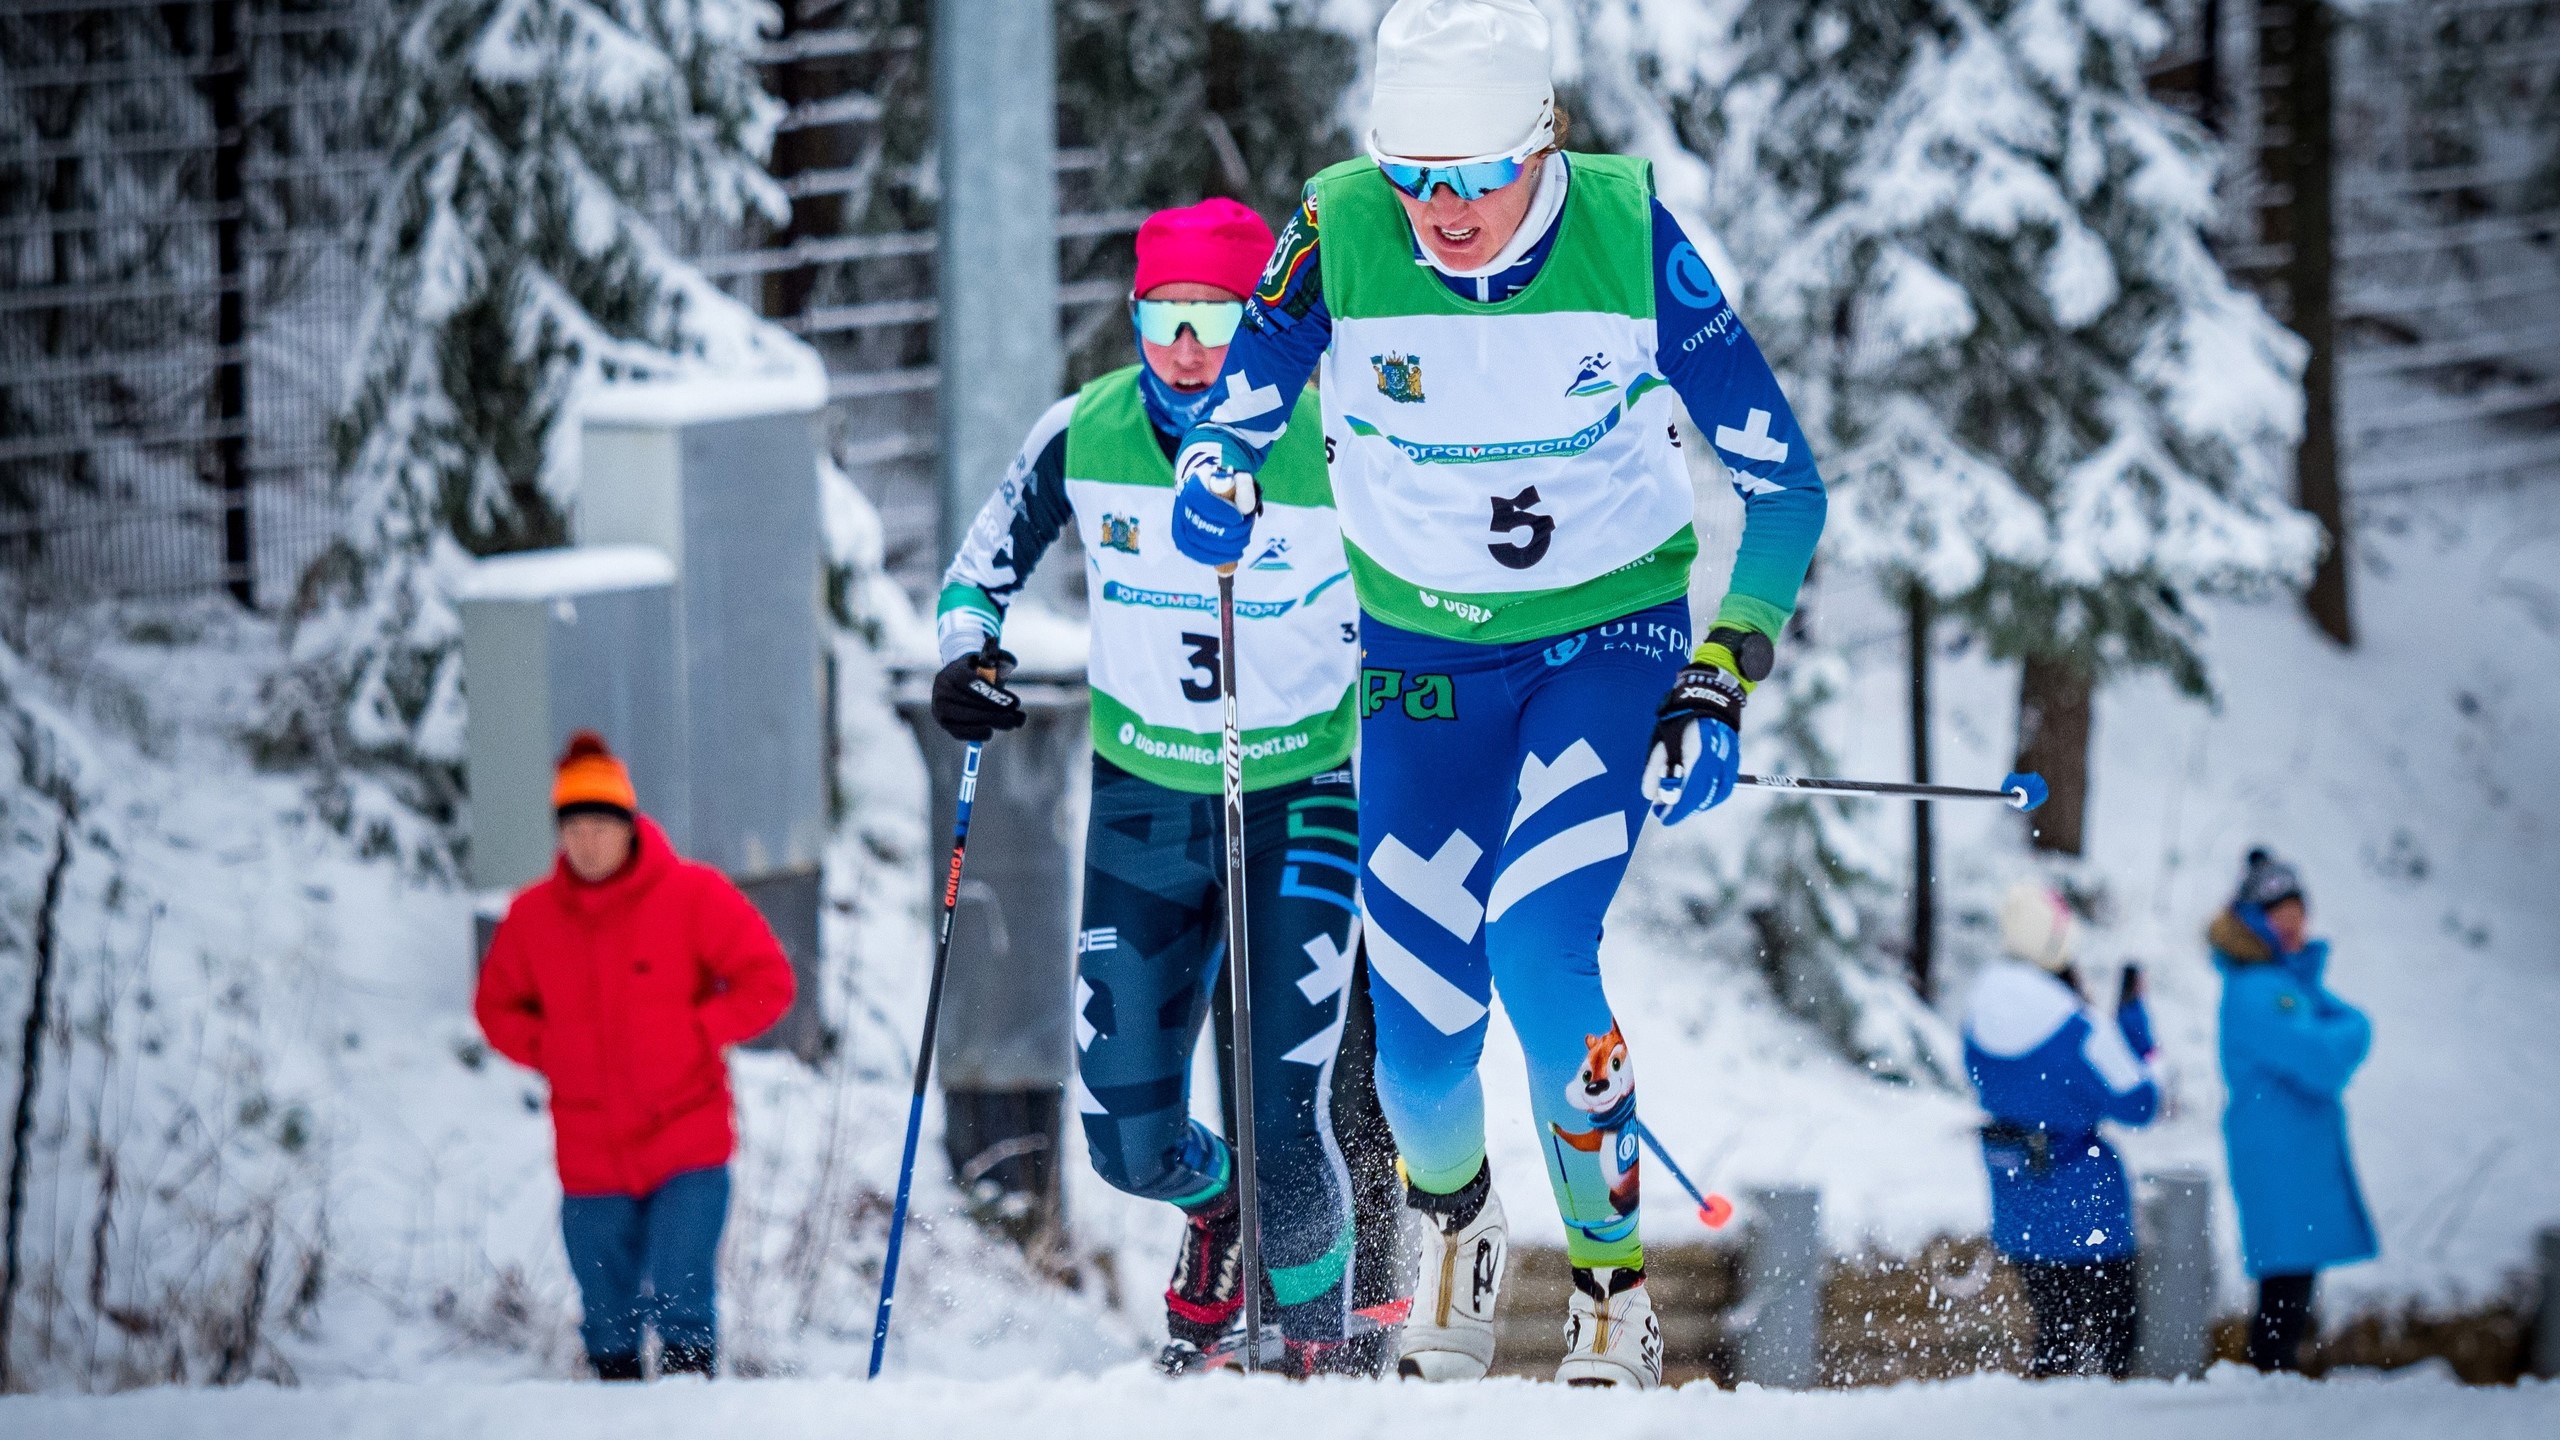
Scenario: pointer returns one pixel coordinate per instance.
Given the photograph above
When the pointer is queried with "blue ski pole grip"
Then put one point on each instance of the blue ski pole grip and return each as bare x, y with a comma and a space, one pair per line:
2026, 789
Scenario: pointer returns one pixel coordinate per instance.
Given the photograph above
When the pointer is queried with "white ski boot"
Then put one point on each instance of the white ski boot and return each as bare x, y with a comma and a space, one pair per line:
1611, 1338
1449, 1335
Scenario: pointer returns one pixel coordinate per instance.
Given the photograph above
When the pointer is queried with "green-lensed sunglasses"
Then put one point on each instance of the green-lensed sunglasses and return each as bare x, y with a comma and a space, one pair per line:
1214, 321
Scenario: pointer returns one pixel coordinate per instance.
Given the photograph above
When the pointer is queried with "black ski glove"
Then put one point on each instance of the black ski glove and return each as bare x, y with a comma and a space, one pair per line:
970, 701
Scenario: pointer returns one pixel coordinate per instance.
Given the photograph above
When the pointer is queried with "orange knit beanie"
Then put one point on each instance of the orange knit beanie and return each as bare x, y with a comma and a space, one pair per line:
591, 780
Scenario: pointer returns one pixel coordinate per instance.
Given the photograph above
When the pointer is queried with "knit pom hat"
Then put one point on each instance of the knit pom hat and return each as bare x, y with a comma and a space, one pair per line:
591, 781
2266, 881
2035, 926
1216, 242
1461, 78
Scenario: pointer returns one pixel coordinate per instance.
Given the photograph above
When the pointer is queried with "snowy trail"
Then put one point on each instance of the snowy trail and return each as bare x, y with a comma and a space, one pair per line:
1112, 1407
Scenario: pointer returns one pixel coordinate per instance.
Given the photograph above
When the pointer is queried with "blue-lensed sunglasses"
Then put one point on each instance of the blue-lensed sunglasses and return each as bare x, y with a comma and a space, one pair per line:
1214, 321
1467, 179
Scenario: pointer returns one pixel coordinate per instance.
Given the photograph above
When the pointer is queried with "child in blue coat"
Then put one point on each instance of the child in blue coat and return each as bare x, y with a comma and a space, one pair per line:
2049, 1071
2288, 1050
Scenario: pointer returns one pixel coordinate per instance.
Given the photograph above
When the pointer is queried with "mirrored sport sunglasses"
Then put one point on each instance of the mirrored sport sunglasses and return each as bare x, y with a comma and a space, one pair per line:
1468, 179
1214, 321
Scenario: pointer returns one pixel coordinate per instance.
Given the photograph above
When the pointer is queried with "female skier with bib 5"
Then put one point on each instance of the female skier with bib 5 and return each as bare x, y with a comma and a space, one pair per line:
1502, 329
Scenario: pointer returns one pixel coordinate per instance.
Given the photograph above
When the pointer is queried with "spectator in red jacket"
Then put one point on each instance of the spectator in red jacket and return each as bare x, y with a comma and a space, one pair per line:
622, 977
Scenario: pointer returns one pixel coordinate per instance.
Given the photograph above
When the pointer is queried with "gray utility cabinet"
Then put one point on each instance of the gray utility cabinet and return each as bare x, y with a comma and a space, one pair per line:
729, 492
723, 478
553, 642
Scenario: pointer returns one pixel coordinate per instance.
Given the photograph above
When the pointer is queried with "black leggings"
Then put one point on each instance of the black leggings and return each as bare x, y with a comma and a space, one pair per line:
2084, 1317
2282, 1323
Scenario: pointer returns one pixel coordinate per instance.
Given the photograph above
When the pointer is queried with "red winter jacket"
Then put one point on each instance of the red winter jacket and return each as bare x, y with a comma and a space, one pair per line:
623, 994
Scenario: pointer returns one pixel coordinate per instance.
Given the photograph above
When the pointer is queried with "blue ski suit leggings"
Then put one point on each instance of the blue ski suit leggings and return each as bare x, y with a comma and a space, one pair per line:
1500, 801
1152, 949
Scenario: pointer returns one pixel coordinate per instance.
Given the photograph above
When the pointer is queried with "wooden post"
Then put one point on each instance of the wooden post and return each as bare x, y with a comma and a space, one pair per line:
231, 318
807, 144
2294, 39
2054, 700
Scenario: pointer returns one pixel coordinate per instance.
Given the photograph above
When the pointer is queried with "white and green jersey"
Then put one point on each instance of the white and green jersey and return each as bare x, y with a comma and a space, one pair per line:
1096, 462
1539, 487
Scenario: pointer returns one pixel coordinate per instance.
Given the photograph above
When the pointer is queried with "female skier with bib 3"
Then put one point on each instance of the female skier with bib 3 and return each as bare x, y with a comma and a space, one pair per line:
1150, 952
1502, 329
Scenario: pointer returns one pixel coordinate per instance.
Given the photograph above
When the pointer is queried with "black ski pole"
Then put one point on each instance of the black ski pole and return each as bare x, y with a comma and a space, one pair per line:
1239, 962
2022, 791
924, 1051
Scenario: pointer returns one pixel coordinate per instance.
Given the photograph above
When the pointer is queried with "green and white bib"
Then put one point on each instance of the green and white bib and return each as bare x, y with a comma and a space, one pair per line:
1154, 659
1504, 471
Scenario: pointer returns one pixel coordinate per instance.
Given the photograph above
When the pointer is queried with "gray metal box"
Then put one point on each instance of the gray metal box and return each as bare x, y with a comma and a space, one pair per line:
556, 641
725, 482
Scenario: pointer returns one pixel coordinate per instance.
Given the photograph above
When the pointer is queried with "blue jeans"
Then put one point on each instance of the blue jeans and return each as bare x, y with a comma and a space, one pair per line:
1500, 802
648, 1260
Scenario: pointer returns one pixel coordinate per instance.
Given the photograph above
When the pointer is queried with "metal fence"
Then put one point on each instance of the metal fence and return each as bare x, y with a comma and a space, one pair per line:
2446, 243
173, 186
177, 191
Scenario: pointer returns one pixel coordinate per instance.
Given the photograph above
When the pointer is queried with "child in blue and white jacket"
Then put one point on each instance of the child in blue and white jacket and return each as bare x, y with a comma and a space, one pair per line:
2049, 1072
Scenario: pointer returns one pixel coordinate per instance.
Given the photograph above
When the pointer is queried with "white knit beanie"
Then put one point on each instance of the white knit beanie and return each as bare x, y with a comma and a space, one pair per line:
1461, 78
2035, 926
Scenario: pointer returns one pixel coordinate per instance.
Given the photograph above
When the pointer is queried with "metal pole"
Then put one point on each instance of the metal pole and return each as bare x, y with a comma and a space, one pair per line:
1783, 1276
995, 117
924, 1056
1240, 973
2546, 1343
2176, 1316
1924, 908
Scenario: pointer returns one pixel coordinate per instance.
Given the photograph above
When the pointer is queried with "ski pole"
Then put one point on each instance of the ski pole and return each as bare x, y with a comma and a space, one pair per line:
924, 1052
2020, 791
1713, 1210
1239, 962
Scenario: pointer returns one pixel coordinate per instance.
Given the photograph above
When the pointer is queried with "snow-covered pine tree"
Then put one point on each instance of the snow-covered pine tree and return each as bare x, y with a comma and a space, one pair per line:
509, 264
1804, 895
1977, 255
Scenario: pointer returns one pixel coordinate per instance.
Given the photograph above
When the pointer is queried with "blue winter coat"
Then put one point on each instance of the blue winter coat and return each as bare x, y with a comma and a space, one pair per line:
2048, 1072
2288, 1049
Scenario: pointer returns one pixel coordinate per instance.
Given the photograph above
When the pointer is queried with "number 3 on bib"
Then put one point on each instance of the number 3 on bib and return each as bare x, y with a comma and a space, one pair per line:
1512, 515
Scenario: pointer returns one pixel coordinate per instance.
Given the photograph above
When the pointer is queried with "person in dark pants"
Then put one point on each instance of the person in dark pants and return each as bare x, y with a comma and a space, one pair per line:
2289, 1047
2048, 1073
622, 977
1151, 953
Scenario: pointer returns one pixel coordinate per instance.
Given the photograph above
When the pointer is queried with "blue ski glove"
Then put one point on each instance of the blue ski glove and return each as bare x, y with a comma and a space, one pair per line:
1697, 740
1207, 526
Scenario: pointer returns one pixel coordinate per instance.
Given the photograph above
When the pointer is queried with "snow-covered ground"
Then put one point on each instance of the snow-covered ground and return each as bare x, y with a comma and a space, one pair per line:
2229, 1403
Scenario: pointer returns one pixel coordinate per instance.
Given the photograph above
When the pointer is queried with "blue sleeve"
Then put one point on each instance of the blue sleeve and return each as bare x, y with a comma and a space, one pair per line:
1733, 397
1286, 329
2133, 1020
2270, 1021
1016, 526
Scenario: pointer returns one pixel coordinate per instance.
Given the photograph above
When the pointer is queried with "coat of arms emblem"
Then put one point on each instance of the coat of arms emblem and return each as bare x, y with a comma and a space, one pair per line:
1399, 377
1120, 532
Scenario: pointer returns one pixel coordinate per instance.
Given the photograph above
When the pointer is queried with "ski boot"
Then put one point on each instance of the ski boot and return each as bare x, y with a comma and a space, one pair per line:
1449, 1335
1611, 1338
1204, 1304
